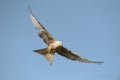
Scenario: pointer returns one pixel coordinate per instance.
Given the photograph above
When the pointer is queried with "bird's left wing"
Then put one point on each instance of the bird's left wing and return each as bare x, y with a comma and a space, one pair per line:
71, 55
44, 34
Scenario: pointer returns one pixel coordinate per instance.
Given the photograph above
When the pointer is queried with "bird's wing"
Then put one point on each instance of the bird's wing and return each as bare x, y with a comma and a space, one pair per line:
71, 55
44, 34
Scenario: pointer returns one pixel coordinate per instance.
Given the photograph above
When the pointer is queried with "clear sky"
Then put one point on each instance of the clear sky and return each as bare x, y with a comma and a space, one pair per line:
91, 28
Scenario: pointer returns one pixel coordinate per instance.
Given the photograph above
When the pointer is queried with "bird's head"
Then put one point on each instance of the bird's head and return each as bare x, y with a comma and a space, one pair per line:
59, 43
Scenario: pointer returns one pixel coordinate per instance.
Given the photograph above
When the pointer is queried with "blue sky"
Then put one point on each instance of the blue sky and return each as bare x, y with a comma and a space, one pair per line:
91, 28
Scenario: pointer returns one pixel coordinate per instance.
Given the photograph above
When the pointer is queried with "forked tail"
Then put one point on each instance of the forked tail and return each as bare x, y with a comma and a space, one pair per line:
48, 56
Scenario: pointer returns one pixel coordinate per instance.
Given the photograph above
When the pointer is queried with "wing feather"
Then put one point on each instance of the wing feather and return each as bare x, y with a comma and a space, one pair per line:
44, 34
71, 55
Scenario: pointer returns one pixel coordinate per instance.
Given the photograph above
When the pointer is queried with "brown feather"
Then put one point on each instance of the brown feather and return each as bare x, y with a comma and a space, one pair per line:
44, 34
70, 55
44, 52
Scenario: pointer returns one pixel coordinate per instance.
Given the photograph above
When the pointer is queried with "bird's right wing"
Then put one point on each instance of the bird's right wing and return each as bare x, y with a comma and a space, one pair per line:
35, 22
44, 34
70, 55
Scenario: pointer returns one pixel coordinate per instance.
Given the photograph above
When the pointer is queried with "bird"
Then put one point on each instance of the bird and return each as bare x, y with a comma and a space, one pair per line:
54, 46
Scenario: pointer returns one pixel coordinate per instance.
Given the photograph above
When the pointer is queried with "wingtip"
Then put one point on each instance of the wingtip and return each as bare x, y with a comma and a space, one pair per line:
30, 11
29, 7
101, 62
33, 18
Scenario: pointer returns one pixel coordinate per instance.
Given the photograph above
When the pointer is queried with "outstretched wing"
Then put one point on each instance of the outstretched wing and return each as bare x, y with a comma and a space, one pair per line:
44, 34
70, 55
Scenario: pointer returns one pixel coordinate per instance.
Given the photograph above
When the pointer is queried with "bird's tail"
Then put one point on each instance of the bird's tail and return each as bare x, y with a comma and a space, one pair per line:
48, 56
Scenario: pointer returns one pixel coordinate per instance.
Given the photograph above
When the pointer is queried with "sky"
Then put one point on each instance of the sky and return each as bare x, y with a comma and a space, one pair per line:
90, 28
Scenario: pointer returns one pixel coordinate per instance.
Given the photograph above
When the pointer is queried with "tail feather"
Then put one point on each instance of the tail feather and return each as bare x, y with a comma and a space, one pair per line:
41, 51
48, 56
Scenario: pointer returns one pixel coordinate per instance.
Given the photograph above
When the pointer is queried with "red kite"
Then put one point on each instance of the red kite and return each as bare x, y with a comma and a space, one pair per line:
54, 46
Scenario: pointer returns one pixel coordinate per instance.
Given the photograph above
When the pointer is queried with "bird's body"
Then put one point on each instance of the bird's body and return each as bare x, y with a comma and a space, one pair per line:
54, 46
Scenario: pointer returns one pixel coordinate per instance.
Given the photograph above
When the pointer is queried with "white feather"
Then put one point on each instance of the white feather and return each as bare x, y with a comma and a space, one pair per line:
35, 22
49, 57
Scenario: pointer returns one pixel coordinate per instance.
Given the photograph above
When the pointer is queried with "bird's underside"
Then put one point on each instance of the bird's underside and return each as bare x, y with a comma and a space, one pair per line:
53, 45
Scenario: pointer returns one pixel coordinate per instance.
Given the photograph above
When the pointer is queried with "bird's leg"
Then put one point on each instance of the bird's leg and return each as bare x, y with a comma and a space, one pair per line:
50, 50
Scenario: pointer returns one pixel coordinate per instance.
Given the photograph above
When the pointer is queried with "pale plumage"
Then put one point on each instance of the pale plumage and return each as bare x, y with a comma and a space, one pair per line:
53, 45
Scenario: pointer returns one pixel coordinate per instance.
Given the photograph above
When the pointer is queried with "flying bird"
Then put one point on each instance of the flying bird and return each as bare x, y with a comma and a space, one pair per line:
54, 46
